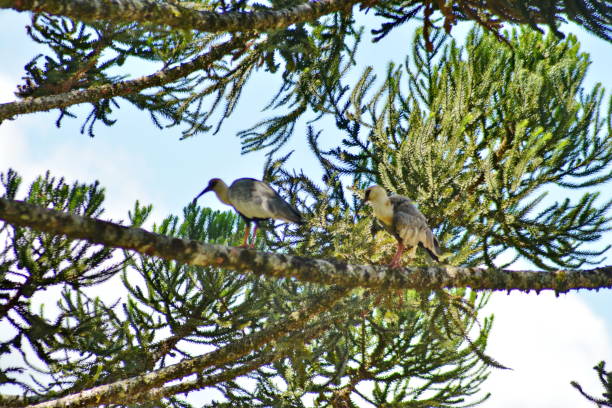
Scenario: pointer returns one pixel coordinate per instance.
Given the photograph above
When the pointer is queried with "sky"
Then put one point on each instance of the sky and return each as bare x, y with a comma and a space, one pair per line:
548, 341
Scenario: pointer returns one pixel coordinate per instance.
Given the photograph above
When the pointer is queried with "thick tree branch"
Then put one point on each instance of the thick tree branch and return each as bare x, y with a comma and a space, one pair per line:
63, 100
329, 272
121, 391
175, 15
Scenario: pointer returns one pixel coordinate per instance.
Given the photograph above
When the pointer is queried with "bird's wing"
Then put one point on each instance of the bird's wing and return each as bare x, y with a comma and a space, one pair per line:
282, 210
404, 205
411, 225
256, 199
409, 228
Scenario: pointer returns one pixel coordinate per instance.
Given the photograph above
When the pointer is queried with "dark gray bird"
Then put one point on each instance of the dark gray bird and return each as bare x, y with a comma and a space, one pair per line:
405, 222
255, 201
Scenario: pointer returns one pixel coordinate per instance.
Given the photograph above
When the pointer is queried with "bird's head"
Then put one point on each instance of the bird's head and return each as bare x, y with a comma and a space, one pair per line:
374, 194
214, 184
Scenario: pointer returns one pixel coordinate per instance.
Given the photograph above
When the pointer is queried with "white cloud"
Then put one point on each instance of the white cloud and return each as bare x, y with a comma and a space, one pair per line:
11, 137
548, 342
123, 173
6, 89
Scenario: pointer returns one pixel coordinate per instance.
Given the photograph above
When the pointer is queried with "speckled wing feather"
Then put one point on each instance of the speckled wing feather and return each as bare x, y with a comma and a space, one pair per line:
410, 225
283, 210
257, 200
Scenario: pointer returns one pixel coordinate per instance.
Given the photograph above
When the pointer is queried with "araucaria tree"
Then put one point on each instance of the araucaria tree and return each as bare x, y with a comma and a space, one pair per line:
474, 133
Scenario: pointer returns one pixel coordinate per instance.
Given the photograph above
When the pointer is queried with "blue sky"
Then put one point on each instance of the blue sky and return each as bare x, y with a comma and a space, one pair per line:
548, 341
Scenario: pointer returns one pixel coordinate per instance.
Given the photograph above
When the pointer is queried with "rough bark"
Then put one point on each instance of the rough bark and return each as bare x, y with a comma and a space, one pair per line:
175, 15
330, 272
123, 390
63, 100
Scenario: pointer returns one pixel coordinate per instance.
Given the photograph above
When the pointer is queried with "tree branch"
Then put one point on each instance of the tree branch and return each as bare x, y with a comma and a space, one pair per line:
600, 402
300, 337
164, 76
10, 401
175, 15
120, 391
331, 272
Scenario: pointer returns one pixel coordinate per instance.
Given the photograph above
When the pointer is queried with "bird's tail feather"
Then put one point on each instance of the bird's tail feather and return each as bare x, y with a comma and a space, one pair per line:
432, 246
430, 252
297, 217
437, 246
286, 212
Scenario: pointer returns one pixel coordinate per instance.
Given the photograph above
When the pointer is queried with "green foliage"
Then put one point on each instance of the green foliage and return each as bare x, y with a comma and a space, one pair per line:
592, 14
416, 354
324, 57
159, 312
87, 56
472, 134
31, 263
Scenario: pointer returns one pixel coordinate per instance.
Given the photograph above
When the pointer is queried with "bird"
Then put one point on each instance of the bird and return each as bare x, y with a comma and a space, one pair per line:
405, 222
254, 201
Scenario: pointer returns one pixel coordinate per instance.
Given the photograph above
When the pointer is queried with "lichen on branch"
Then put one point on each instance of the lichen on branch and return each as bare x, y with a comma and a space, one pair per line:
174, 15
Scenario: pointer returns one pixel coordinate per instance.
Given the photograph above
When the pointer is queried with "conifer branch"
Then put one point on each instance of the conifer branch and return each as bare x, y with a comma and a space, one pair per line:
330, 272
164, 76
124, 390
606, 380
591, 14
9, 401
300, 337
177, 16
158, 393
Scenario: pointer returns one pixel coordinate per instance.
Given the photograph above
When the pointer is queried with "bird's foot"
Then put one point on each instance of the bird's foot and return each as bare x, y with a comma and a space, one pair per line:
395, 263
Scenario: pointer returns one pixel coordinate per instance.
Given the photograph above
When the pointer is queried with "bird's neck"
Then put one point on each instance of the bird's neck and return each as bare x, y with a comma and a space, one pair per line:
222, 193
383, 210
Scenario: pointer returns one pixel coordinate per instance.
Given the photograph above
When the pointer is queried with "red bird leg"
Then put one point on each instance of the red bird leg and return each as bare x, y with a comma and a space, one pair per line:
254, 236
247, 229
395, 262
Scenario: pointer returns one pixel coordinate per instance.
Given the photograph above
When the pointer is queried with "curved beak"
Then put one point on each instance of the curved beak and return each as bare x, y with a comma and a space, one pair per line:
367, 196
206, 190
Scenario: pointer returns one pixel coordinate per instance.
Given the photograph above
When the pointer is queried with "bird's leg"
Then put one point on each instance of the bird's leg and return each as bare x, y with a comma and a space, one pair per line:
254, 236
395, 261
412, 252
247, 230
